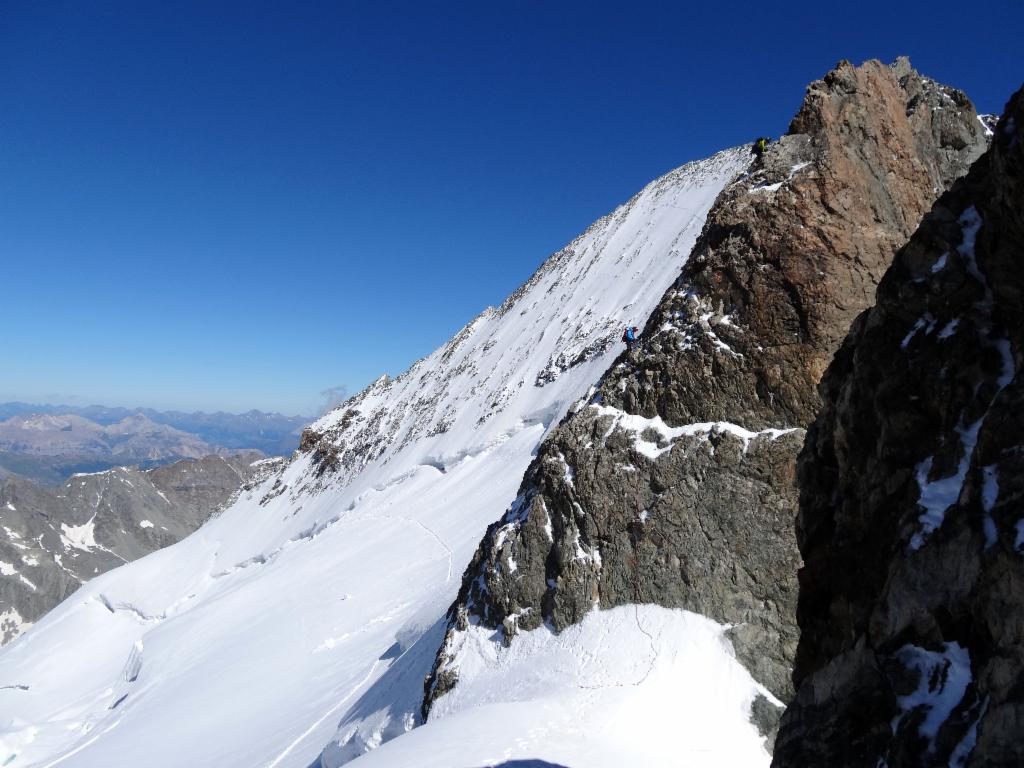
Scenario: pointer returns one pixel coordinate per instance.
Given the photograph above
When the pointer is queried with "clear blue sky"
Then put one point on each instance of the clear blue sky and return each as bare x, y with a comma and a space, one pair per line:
208, 205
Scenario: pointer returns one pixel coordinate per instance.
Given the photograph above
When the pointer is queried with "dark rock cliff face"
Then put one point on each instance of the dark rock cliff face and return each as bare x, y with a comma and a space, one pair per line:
911, 518
674, 482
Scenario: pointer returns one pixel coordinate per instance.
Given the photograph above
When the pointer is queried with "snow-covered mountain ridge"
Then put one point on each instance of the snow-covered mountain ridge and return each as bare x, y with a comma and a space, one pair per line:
675, 485
498, 373
313, 606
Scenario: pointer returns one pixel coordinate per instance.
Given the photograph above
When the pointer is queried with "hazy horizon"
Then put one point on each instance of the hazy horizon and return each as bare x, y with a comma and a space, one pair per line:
69, 402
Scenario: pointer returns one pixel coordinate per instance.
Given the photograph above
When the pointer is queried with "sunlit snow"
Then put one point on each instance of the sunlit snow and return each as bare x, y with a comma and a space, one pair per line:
631, 686
312, 607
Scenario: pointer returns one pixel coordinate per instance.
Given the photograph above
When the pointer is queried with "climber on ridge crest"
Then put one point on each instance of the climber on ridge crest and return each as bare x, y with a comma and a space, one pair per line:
629, 337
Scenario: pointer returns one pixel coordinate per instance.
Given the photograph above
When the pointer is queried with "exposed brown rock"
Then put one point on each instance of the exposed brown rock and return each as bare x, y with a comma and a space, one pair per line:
616, 509
912, 478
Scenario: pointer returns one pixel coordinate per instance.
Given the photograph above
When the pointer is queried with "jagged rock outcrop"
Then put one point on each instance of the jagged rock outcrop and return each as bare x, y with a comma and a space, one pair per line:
53, 540
911, 519
673, 482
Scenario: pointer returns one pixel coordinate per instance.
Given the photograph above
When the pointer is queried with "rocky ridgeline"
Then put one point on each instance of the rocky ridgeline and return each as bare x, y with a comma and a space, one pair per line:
911, 524
522, 363
53, 540
673, 483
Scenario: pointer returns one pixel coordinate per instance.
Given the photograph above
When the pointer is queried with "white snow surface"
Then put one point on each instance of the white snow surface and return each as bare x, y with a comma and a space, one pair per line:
309, 610
984, 125
79, 536
667, 436
630, 686
943, 677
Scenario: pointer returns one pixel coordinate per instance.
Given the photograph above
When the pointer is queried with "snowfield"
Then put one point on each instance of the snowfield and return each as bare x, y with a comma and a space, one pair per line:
302, 620
634, 685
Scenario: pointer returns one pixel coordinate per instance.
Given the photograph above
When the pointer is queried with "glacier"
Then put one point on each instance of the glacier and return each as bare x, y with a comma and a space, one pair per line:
295, 628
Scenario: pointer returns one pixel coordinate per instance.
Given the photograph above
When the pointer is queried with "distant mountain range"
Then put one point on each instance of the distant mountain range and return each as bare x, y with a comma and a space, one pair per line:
49, 443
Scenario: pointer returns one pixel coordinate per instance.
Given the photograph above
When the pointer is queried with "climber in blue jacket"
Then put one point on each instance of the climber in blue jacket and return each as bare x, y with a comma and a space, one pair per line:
629, 337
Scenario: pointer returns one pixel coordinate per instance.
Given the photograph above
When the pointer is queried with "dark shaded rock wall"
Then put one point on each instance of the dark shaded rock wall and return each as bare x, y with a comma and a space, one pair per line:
674, 482
911, 517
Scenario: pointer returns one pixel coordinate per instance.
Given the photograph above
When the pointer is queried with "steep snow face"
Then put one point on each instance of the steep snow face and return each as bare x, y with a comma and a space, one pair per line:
309, 612
515, 364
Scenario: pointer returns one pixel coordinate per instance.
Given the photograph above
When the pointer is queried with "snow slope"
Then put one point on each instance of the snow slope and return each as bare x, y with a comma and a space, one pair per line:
317, 598
634, 685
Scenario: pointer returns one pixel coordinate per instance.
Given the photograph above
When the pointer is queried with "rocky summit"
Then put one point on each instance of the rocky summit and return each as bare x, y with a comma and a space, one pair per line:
912, 596
53, 540
673, 482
